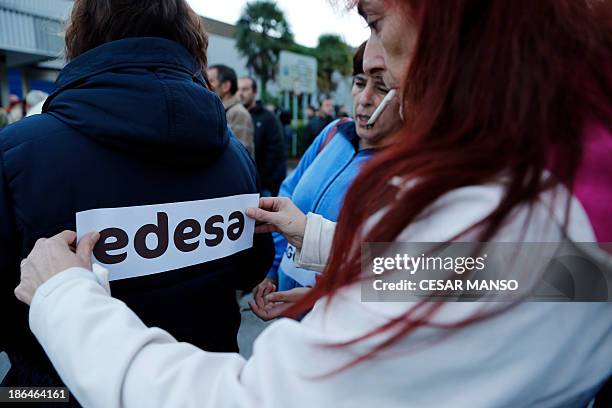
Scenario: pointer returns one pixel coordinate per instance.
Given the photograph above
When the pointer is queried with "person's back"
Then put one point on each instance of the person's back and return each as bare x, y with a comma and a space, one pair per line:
240, 121
324, 116
224, 82
288, 132
131, 124
315, 126
270, 149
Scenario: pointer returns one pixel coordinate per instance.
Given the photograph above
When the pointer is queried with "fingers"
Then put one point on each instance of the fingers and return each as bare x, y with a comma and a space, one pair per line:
251, 213
22, 295
259, 311
268, 289
255, 291
254, 308
86, 245
274, 304
261, 290
66, 236
274, 310
292, 296
262, 215
258, 304
271, 311
271, 203
258, 296
277, 297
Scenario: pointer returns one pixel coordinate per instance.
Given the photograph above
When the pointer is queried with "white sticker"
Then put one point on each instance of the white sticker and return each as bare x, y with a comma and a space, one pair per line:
304, 277
148, 239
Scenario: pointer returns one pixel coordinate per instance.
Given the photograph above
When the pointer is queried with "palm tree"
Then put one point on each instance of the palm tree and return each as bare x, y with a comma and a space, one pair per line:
333, 55
261, 33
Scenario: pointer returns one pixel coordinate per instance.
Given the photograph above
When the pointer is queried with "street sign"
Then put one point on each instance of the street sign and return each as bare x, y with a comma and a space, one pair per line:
297, 73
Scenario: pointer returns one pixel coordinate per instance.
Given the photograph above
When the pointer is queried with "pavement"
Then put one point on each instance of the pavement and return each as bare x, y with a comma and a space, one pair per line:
5, 365
250, 327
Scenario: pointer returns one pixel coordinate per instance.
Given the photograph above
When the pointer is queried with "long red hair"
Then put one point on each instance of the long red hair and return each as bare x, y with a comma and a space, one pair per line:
494, 87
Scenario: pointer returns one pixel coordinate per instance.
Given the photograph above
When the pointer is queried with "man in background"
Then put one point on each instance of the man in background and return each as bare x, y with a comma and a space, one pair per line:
225, 84
15, 109
270, 148
324, 116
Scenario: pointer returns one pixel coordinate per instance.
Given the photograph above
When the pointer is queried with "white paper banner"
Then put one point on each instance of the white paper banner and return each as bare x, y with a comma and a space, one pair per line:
304, 277
148, 239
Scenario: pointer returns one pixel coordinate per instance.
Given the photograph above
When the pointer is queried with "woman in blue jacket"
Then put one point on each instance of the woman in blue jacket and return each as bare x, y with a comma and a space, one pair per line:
132, 123
327, 169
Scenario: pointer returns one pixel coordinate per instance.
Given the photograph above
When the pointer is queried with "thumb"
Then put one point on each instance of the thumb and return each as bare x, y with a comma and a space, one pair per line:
68, 237
86, 245
276, 297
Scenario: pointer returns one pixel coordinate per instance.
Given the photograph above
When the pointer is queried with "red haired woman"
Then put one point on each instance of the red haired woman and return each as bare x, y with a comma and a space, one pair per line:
507, 107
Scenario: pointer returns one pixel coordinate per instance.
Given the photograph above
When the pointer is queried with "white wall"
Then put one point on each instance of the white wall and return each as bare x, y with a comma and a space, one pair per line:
342, 95
222, 50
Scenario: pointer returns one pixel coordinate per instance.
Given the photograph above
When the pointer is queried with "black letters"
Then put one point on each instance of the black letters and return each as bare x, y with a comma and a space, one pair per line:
180, 236
210, 228
186, 236
102, 247
290, 252
160, 230
235, 229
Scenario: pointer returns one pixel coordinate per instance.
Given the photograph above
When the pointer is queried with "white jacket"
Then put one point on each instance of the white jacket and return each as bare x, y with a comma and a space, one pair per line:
534, 355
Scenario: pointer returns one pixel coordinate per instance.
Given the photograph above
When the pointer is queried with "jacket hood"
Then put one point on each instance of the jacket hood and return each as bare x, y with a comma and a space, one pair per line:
143, 96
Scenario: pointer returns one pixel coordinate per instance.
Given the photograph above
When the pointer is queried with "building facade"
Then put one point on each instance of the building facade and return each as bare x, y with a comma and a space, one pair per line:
31, 45
222, 46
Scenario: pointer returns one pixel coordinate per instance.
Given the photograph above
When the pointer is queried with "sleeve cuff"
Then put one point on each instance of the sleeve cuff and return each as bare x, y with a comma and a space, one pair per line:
43, 298
99, 275
313, 254
58, 280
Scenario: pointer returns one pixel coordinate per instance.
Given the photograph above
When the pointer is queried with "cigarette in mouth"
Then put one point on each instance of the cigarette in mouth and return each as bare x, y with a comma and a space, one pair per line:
380, 109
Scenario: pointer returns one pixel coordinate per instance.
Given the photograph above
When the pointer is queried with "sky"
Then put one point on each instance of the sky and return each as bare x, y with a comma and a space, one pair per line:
308, 18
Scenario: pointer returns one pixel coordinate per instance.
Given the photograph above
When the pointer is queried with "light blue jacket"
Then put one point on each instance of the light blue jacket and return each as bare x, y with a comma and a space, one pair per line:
319, 184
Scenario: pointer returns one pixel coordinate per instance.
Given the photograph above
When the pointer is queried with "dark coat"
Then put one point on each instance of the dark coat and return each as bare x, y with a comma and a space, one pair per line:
270, 149
315, 125
130, 124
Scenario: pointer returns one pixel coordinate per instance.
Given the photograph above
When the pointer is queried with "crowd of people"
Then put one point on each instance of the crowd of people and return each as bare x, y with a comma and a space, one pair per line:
483, 121
18, 109
264, 130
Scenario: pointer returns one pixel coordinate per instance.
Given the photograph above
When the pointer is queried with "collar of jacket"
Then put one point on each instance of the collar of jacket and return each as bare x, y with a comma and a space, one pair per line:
126, 53
349, 131
257, 108
231, 102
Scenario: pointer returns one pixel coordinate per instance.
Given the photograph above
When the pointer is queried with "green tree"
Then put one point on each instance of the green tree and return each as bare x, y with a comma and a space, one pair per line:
261, 33
332, 54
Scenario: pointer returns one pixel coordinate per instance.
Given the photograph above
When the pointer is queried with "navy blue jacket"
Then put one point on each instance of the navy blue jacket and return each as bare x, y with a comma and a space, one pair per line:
131, 123
270, 149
